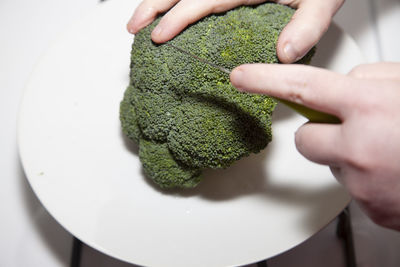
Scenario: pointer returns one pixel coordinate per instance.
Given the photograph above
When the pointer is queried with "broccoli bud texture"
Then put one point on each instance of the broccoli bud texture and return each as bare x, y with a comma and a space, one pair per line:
185, 115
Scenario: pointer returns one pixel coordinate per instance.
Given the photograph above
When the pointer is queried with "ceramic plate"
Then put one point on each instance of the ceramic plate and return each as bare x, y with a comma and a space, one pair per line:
90, 179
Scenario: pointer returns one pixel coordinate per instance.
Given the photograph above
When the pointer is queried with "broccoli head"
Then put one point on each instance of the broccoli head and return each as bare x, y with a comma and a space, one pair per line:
184, 114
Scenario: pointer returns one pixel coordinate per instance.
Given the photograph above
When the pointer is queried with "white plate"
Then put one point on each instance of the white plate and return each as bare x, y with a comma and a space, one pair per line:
89, 177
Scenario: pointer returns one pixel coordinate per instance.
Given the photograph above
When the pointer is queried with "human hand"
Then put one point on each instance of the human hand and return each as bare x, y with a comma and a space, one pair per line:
309, 23
363, 151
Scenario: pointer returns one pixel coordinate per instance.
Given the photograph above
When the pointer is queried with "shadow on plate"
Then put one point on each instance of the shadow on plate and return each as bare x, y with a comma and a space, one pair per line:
244, 177
327, 47
249, 176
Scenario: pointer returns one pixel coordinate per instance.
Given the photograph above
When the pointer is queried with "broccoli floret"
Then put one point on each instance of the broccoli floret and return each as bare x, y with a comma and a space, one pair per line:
184, 114
160, 165
128, 117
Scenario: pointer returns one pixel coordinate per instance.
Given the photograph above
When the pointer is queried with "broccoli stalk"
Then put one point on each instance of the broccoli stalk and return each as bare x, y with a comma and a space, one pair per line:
184, 114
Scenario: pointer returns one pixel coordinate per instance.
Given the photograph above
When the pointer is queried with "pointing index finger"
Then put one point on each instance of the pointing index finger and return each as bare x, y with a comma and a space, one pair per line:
315, 88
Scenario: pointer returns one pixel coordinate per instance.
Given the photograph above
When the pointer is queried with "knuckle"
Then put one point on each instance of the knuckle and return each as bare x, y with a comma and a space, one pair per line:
295, 96
298, 89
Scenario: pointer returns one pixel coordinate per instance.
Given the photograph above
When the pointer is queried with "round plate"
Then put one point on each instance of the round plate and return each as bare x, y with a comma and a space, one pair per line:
90, 179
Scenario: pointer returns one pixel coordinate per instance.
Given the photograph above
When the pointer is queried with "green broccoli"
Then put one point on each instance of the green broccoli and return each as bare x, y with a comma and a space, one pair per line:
184, 114
160, 165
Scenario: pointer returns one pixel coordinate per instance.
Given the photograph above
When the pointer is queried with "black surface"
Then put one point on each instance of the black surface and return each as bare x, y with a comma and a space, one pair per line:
345, 232
76, 253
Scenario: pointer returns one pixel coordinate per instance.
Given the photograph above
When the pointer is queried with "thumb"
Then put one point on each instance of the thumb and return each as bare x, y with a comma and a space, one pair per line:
310, 21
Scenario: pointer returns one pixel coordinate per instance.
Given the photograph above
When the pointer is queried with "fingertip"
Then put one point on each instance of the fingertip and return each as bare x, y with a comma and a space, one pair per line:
319, 143
142, 17
288, 53
131, 28
236, 78
308, 24
155, 34
293, 43
167, 29
160, 34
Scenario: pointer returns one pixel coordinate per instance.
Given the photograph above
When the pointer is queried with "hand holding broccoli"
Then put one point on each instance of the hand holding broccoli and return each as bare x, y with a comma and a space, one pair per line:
309, 23
364, 151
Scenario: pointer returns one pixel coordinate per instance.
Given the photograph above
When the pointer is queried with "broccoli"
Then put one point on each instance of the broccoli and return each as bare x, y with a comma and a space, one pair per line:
160, 165
184, 114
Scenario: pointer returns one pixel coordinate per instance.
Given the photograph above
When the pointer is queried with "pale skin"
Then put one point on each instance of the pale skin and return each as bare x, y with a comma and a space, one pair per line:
363, 152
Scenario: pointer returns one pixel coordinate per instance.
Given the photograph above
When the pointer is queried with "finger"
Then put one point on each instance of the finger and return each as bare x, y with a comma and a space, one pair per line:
319, 143
187, 12
316, 88
308, 24
146, 12
377, 71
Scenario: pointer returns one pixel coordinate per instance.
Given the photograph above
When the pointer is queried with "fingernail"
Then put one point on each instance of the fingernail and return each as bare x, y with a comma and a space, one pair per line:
131, 30
290, 53
157, 30
236, 78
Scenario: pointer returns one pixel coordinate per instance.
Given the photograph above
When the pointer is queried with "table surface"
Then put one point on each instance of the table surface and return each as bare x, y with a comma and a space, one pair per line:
30, 237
